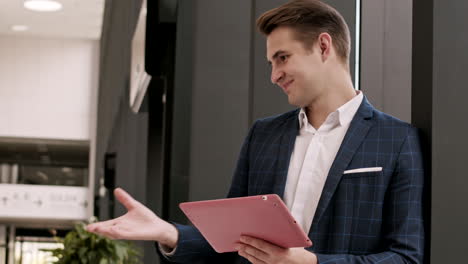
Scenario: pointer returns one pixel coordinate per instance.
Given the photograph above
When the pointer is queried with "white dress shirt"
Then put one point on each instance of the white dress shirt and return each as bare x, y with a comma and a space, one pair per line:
311, 160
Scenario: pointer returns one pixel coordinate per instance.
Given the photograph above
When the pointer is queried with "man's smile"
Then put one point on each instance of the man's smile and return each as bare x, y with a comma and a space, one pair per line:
285, 85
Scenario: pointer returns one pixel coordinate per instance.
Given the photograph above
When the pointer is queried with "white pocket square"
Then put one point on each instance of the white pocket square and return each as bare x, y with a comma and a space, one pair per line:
373, 169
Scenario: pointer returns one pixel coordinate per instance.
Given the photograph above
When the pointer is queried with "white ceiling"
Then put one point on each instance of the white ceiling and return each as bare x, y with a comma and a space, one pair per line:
78, 19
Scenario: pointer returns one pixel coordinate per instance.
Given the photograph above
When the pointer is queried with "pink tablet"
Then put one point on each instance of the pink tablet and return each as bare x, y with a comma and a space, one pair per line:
223, 221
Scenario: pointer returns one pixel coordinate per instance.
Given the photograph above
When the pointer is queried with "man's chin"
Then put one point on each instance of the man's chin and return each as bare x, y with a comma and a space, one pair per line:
295, 103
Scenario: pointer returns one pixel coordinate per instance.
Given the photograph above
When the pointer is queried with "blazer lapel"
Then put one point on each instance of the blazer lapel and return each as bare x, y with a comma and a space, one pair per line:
287, 141
280, 145
356, 133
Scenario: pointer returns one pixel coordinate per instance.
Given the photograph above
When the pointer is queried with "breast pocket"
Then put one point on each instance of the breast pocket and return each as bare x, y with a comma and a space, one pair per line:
362, 170
359, 201
361, 194
361, 187
359, 182
358, 175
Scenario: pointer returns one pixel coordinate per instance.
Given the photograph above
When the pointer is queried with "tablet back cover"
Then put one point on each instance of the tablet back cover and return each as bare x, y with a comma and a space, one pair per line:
223, 221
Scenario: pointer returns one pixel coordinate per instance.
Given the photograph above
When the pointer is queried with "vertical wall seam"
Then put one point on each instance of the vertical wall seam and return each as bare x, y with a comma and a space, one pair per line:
251, 63
384, 39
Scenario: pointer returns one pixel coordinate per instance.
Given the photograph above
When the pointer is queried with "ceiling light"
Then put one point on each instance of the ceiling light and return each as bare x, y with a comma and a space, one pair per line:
19, 28
42, 5
67, 170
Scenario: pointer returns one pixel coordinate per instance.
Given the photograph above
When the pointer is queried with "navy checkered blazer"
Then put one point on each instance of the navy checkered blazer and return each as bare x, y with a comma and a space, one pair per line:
369, 217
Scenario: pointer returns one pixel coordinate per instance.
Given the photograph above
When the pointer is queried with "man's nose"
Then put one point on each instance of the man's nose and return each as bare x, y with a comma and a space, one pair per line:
276, 76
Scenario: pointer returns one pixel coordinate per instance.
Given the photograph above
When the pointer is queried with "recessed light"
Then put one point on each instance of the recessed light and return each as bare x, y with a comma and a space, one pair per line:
67, 170
19, 28
42, 5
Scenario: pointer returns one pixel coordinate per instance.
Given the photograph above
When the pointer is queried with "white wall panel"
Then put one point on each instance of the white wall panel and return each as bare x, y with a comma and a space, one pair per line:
46, 87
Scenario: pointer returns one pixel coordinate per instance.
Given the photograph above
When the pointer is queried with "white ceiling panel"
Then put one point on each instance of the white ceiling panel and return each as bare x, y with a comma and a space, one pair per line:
77, 19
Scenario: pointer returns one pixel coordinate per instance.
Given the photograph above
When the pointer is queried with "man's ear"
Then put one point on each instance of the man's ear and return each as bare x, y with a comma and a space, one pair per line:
325, 45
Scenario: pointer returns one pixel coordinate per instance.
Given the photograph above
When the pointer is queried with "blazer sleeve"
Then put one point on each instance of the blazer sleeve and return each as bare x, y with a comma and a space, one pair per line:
192, 246
403, 230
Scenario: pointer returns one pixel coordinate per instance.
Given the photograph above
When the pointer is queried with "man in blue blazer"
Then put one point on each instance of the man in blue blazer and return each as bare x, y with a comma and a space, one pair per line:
351, 175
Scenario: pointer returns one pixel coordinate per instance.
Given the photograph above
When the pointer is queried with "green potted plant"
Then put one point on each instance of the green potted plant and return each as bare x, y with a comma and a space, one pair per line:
83, 247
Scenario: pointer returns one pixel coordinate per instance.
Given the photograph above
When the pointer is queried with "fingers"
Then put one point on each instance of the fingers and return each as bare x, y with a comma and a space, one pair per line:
92, 227
249, 251
261, 244
119, 231
110, 229
251, 258
125, 199
95, 227
112, 232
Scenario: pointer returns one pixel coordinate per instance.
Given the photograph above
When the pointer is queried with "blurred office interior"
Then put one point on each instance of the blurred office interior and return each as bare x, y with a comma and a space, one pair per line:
157, 96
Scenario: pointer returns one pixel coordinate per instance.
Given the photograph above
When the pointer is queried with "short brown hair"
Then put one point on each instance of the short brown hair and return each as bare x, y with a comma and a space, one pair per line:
309, 18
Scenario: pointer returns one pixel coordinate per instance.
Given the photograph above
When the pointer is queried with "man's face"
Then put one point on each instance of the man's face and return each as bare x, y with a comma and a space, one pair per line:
297, 70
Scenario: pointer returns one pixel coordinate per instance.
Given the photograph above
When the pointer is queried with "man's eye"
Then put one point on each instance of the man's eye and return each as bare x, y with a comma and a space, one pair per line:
283, 58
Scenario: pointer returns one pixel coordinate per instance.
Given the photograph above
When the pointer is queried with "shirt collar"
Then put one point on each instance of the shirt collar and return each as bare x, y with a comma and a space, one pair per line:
303, 121
347, 111
344, 113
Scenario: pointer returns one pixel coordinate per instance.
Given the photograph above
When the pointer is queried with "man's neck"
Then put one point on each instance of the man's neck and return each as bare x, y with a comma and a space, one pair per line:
335, 96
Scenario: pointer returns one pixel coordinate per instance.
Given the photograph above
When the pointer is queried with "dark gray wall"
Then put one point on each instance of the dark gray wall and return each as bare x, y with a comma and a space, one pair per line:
440, 63
182, 106
119, 130
129, 141
347, 9
220, 93
118, 25
449, 133
386, 34
265, 98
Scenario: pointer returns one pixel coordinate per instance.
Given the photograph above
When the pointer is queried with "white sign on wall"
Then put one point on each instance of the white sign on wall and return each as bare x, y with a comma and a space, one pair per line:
41, 202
